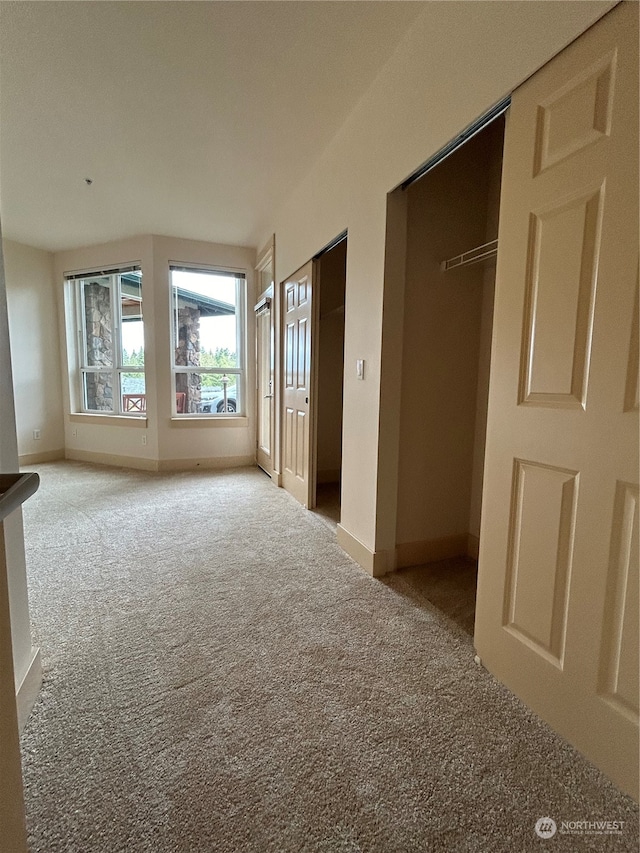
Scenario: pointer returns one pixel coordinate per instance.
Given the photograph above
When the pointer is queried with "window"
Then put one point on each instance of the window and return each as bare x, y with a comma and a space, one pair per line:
208, 341
110, 342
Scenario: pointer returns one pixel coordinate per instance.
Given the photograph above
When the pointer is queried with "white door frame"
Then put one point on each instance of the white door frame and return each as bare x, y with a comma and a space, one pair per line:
265, 268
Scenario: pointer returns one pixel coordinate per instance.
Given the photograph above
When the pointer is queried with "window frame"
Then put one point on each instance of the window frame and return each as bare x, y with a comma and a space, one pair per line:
240, 371
77, 281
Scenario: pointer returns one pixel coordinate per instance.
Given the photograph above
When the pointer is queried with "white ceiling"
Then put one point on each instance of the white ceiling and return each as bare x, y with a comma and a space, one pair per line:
193, 119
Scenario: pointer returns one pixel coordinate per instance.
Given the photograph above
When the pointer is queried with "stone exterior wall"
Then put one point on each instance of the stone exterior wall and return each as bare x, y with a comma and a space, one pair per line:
99, 336
188, 354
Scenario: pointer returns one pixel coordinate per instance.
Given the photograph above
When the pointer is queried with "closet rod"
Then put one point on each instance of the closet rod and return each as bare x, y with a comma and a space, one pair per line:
473, 256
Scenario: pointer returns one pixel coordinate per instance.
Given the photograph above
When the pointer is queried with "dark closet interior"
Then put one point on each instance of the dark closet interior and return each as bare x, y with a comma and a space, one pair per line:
452, 229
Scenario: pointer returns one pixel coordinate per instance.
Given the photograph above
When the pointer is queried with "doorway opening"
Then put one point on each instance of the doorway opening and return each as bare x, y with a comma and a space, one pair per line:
330, 273
265, 361
451, 243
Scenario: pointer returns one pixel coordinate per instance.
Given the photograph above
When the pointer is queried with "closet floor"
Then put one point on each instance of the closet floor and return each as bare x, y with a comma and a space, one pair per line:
450, 585
328, 503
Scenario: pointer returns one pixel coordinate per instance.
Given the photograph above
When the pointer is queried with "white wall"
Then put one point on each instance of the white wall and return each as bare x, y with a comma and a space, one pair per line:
170, 442
456, 61
12, 623
23, 653
33, 329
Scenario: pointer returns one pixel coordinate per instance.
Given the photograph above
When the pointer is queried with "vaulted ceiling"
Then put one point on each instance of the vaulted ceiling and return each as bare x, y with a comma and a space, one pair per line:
193, 119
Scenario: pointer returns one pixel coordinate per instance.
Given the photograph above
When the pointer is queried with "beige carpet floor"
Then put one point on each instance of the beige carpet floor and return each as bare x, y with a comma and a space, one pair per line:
220, 676
449, 585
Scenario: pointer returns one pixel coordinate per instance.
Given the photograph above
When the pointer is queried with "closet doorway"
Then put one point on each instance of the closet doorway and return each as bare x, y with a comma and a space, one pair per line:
313, 302
331, 278
452, 229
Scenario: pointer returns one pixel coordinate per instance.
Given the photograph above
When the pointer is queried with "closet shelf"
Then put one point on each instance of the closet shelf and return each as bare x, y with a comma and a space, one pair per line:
473, 256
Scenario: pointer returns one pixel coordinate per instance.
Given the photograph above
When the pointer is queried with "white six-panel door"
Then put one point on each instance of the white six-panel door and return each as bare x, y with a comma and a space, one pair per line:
557, 611
296, 354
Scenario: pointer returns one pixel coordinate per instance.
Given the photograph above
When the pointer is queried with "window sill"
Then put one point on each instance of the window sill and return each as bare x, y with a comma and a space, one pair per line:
109, 420
207, 421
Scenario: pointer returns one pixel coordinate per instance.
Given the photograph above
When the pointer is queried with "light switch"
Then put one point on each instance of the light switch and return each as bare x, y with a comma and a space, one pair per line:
360, 368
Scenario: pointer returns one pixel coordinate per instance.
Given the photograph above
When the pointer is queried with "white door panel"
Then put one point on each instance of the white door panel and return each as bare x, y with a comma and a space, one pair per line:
297, 321
557, 612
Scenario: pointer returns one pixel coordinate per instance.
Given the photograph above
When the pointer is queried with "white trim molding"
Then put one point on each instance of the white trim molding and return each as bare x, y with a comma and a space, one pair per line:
145, 464
375, 563
29, 688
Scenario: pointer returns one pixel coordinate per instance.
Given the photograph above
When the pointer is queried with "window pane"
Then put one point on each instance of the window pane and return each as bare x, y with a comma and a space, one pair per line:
131, 315
109, 309
98, 322
98, 391
266, 277
187, 393
205, 321
203, 393
133, 389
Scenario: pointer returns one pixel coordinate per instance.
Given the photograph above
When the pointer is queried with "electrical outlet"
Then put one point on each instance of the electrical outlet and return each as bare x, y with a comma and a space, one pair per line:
74, 432
36, 434
144, 438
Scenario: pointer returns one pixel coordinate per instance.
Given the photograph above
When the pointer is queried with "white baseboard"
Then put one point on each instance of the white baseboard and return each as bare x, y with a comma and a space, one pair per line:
45, 456
210, 463
28, 691
431, 550
143, 464
112, 459
376, 563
